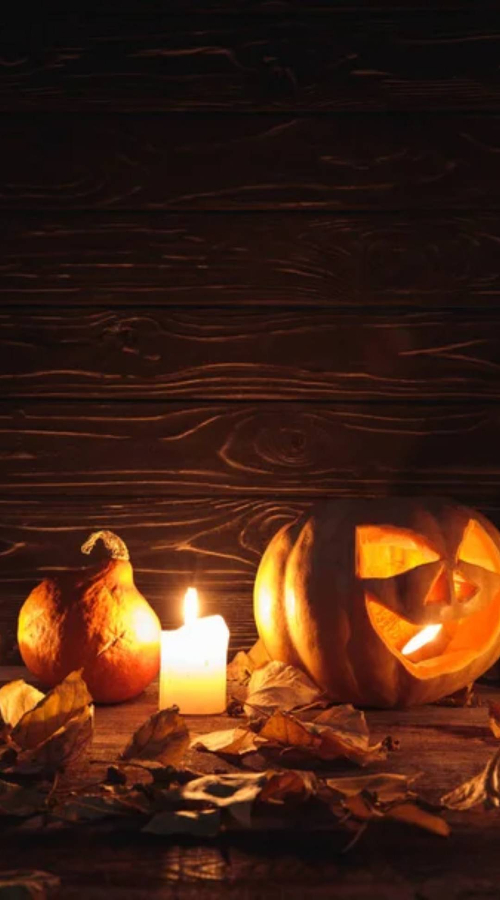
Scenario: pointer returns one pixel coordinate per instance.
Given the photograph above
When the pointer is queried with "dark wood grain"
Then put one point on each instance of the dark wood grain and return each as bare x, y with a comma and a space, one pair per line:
157, 61
239, 449
391, 862
216, 543
204, 259
236, 161
271, 354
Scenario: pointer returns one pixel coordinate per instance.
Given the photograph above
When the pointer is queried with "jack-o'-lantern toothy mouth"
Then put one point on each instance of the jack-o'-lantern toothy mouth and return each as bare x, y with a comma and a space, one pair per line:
463, 619
444, 647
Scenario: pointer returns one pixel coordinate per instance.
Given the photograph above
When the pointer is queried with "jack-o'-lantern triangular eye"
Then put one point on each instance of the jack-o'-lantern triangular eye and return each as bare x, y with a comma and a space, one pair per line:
478, 548
383, 551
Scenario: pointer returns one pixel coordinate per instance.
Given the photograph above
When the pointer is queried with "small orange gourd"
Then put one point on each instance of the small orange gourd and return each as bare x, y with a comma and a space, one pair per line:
94, 619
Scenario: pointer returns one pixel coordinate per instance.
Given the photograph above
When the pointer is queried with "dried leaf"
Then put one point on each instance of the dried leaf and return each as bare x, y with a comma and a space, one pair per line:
384, 786
198, 823
95, 807
164, 738
62, 747
20, 884
243, 664
258, 655
229, 742
494, 717
346, 719
52, 712
344, 731
364, 808
291, 785
483, 788
16, 699
469, 794
278, 686
361, 807
414, 815
234, 791
91, 808
285, 729
17, 800
240, 668
224, 790
346, 737
335, 745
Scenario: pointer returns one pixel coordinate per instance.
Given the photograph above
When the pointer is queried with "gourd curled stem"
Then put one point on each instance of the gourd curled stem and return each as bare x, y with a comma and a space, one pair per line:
115, 545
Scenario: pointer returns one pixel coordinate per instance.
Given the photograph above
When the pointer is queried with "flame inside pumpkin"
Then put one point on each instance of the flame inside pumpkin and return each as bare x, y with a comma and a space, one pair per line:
421, 639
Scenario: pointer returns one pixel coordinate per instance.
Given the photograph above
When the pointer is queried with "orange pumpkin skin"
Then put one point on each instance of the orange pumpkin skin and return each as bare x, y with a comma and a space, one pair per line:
314, 610
96, 620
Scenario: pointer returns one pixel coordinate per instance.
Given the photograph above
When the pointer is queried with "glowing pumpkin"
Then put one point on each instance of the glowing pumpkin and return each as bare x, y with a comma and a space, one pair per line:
384, 603
94, 619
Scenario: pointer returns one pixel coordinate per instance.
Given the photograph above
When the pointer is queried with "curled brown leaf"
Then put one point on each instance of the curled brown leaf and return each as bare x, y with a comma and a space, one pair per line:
18, 800
384, 786
290, 785
326, 738
53, 711
62, 747
229, 742
285, 729
244, 663
93, 807
277, 686
364, 808
235, 792
163, 737
483, 788
413, 814
16, 699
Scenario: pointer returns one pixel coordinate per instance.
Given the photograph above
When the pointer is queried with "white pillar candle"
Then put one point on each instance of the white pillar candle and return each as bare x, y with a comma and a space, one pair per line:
193, 662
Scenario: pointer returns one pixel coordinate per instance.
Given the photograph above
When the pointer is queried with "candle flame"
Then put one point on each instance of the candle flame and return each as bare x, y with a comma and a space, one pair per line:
421, 639
190, 606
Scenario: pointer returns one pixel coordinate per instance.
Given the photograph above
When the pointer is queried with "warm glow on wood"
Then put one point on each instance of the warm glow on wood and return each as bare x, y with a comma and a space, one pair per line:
421, 639
190, 606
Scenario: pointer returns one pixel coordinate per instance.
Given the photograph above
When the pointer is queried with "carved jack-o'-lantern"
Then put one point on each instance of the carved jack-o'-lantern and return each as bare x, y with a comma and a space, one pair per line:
383, 602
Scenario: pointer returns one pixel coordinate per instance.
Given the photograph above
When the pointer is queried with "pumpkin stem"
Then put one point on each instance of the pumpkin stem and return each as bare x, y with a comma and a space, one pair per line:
112, 542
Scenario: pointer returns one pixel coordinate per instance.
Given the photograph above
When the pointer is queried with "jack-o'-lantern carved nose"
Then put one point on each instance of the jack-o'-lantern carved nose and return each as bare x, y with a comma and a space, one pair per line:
450, 586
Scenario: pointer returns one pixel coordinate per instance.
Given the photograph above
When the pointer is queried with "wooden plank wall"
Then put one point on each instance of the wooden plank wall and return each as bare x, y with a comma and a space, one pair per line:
250, 257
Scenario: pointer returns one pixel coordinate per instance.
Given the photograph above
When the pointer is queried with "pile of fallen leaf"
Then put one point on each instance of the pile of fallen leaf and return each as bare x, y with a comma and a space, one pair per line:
289, 719
43, 733
284, 717
284, 724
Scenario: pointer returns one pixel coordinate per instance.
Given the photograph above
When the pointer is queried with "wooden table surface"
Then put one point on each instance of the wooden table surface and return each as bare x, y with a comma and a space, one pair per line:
390, 861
